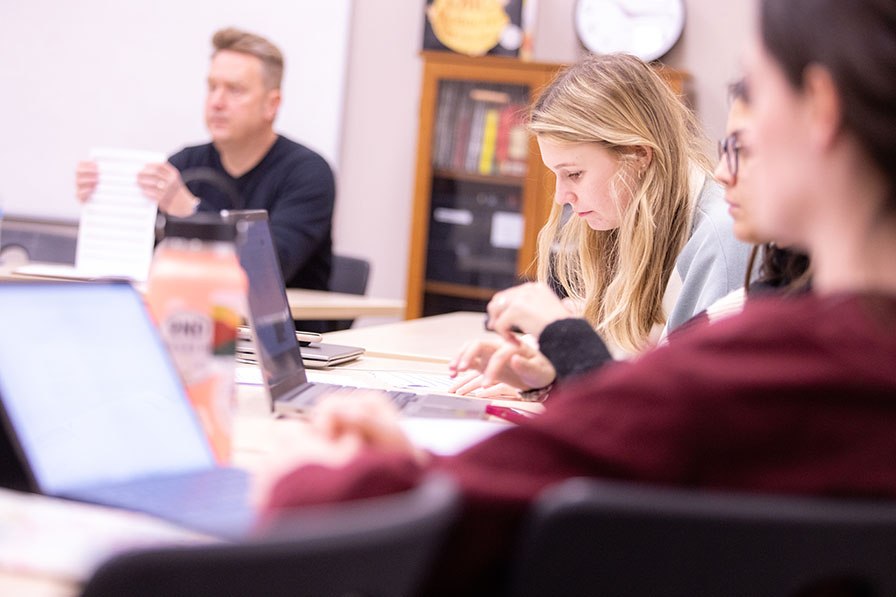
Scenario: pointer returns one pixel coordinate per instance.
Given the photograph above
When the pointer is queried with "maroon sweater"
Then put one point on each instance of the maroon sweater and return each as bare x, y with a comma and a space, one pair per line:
792, 396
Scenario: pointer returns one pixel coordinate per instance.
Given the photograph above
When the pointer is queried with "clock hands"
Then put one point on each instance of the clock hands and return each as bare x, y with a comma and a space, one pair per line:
637, 14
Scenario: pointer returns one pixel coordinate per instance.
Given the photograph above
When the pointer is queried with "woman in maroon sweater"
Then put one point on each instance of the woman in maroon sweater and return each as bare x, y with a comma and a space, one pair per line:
795, 395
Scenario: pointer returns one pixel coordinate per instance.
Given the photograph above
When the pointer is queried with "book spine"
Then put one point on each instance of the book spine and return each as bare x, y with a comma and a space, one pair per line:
475, 143
489, 137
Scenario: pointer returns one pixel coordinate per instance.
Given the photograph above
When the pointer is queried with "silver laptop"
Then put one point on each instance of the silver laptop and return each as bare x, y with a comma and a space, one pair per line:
267, 292
93, 409
276, 346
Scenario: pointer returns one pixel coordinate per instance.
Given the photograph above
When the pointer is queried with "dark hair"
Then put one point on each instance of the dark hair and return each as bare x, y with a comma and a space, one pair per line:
855, 41
781, 270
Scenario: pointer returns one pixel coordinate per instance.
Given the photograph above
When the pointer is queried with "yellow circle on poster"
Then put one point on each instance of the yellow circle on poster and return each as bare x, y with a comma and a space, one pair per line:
471, 27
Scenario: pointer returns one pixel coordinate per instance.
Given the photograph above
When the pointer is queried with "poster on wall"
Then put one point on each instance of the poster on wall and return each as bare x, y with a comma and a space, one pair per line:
480, 27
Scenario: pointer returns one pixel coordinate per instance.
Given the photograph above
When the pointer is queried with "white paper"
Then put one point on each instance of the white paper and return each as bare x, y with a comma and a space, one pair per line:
446, 437
507, 230
117, 228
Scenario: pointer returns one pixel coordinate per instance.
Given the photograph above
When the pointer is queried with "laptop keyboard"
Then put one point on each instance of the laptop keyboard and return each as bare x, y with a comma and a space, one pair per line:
309, 393
213, 501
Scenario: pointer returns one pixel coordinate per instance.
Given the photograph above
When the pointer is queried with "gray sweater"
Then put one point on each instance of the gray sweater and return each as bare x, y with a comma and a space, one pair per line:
713, 262
711, 265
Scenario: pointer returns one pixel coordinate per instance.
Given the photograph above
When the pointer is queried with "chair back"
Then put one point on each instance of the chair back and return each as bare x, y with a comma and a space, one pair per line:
348, 275
588, 537
377, 546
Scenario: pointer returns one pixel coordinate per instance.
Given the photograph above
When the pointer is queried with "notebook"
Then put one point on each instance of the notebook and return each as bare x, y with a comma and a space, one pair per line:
93, 409
277, 348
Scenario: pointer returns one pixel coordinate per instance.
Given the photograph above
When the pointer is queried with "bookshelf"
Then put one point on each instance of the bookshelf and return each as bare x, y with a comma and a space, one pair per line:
481, 193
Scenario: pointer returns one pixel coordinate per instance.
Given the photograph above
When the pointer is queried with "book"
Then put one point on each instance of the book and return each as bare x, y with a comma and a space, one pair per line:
489, 136
474, 146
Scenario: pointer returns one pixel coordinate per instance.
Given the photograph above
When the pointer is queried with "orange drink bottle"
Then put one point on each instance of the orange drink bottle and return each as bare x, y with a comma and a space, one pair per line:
196, 293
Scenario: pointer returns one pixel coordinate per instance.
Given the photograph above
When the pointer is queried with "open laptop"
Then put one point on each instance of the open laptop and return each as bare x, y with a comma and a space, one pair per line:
267, 292
93, 409
276, 346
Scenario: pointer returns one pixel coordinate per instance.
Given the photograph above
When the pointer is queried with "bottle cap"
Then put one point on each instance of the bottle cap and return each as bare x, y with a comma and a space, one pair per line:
203, 225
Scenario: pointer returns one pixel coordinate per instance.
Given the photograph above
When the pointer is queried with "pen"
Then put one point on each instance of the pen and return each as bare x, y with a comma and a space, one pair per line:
514, 415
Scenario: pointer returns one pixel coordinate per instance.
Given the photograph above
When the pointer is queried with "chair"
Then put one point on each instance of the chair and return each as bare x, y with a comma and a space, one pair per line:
587, 537
378, 546
348, 275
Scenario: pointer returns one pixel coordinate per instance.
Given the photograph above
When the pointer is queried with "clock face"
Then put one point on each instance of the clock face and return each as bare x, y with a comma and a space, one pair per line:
645, 28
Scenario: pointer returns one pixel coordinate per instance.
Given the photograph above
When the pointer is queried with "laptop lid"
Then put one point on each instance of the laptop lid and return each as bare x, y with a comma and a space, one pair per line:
276, 346
88, 393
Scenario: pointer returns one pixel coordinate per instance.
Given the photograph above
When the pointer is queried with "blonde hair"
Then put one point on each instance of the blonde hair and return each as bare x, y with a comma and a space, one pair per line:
620, 276
236, 40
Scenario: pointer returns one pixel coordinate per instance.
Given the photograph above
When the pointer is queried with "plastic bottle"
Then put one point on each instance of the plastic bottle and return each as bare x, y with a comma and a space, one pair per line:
196, 292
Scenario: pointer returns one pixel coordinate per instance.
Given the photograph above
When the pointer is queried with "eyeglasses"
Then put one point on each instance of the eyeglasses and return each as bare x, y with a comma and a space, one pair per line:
730, 149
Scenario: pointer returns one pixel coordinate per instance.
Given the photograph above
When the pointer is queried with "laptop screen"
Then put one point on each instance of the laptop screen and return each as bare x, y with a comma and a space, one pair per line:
89, 389
276, 345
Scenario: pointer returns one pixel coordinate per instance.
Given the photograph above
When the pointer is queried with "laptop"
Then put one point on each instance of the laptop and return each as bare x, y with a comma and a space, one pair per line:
93, 409
277, 349
267, 293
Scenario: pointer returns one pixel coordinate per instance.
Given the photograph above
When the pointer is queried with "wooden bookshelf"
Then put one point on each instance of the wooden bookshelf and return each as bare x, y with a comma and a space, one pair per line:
481, 193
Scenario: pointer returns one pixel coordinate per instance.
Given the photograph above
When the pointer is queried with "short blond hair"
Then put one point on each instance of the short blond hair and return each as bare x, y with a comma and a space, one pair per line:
237, 40
618, 102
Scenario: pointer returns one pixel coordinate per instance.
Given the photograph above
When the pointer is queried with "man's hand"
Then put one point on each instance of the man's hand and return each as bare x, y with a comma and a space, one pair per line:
162, 183
87, 175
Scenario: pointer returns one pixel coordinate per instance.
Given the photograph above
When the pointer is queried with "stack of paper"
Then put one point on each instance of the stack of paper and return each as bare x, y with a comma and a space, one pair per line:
117, 227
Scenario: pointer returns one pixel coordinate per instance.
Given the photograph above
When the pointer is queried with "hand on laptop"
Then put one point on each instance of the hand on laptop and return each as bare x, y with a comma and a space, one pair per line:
518, 364
368, 417
339, 427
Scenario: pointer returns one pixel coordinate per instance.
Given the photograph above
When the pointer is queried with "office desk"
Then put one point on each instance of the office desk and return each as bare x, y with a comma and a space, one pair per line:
321, 304
437, 339
303, 303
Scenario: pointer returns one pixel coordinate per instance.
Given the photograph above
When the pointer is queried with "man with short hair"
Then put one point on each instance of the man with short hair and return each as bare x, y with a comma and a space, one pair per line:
247, 165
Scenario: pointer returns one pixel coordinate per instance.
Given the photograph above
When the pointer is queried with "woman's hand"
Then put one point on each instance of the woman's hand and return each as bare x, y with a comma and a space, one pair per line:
518, 364
338, 429
528, 307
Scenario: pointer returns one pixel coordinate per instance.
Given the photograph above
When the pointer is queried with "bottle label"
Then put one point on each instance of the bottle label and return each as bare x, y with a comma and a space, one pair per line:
188, 336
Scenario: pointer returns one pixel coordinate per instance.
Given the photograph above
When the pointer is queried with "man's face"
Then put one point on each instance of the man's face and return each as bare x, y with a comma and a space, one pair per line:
238, 106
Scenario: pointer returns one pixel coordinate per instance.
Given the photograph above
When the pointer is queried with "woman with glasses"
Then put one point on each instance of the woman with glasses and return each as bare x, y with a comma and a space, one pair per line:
792, 396
781, 269
647, 243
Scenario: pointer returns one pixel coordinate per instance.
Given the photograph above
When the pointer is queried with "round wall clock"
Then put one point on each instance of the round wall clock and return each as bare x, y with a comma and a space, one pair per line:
645, 28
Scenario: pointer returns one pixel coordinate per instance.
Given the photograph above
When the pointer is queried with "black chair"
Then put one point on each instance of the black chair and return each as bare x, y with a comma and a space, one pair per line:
348, 275
587, 537
379, 546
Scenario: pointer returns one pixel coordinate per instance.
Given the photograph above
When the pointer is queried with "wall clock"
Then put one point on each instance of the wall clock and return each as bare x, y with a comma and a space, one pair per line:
645, 28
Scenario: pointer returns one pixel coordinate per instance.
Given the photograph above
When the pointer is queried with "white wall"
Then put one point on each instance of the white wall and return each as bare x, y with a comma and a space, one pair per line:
132, 74
382, 103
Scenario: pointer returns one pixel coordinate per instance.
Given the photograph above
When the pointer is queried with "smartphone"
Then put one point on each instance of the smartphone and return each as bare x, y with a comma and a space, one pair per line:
306, 338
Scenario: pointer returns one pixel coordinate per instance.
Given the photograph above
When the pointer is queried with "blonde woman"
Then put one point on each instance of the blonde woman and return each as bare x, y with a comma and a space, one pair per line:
648, 242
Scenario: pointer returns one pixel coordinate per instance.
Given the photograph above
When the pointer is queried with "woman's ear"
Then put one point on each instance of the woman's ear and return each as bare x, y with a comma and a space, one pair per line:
824, 105
642, 156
